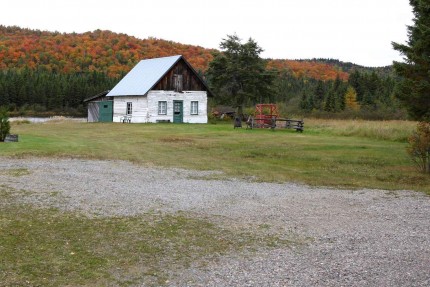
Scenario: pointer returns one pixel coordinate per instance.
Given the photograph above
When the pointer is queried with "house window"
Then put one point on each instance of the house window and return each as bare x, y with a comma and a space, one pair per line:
129, 108
177, 82
194, 108
162, 108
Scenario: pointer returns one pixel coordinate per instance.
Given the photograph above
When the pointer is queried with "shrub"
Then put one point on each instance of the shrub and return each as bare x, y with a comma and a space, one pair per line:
4, 124
419, 147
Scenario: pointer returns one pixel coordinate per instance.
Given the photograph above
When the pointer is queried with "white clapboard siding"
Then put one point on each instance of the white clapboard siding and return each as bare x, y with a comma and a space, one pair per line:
186, 97
139, 109
145, 108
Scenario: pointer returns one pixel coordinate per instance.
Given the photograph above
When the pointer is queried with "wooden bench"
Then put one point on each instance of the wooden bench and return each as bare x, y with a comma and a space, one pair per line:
11, 138
298, 125
252, 122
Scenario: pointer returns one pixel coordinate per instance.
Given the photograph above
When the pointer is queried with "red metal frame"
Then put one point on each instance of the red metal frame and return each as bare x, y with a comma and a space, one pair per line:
264, 113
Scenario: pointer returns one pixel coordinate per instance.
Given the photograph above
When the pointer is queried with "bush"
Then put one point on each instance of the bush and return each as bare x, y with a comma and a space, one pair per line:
419, 147
4, 124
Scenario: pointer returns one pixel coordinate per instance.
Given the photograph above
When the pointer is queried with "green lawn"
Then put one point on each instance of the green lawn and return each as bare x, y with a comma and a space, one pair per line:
351, 154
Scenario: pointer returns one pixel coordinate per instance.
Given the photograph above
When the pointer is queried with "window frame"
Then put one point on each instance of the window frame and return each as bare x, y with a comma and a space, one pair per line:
195, 110
129, 108
160, 106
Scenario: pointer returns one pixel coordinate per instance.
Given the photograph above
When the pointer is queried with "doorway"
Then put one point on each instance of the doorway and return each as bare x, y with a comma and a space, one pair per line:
178, 111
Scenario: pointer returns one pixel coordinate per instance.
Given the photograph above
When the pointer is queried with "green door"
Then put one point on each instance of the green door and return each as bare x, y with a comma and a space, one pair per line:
106, 111
178, 111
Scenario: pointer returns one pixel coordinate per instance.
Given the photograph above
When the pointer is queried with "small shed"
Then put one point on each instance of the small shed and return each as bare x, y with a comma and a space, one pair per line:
100, 108
164, 89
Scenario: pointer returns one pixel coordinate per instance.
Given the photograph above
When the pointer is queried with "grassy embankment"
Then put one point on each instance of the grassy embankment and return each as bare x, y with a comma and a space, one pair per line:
349, 154
47, 247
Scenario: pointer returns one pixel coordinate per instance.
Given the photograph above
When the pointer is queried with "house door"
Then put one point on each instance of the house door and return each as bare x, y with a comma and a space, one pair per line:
178, 111
106, 111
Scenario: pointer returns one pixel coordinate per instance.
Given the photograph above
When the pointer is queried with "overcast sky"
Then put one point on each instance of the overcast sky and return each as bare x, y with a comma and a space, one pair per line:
358, 31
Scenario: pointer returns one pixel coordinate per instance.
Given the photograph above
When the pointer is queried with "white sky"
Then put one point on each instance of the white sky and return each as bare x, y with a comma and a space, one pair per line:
358, 31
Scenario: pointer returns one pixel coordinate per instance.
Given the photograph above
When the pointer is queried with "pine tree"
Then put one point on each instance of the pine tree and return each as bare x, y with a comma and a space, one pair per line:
330, 103
414, 87
238, 74
338, 90
319, 95
311, 103
304, 102
4, 124
355, 81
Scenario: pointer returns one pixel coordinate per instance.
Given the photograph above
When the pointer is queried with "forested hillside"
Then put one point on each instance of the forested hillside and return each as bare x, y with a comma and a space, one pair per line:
100, 51
114, 54
309, 69
52, 72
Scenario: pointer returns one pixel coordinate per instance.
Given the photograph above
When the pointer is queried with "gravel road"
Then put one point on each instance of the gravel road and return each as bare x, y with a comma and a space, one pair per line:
358, 238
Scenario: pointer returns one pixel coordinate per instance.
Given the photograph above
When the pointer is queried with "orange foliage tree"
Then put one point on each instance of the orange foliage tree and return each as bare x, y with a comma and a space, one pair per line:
351, 99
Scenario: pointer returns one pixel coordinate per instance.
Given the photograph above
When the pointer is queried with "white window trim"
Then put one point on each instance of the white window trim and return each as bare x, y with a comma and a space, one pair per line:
160, 106
196, 110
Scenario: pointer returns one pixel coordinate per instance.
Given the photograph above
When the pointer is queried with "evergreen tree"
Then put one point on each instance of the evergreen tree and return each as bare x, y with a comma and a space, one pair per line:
355, 81
319, 95
238, 75
330, 103
311, 104
338, 90
288, 87
304, 102
4, 124
414, 87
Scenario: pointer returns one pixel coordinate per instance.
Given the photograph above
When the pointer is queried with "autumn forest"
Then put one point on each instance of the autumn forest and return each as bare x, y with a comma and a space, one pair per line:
47, 73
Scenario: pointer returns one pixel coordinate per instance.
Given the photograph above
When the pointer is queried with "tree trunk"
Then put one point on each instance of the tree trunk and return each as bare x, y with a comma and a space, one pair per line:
240, 111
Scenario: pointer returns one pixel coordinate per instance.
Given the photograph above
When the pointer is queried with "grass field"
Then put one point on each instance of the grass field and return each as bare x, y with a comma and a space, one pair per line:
346, 154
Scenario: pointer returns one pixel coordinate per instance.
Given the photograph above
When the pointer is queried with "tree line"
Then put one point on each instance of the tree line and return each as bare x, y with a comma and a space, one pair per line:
32, 92
239, 77
363, 95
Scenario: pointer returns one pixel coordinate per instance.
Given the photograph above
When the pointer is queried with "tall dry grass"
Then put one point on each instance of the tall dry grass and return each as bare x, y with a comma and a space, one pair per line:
393, 130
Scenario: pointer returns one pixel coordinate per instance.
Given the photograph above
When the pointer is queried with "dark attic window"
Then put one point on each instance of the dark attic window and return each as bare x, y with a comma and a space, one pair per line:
177, 82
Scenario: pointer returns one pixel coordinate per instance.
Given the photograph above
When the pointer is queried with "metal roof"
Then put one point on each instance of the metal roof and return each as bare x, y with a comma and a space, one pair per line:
143, 76
100, 95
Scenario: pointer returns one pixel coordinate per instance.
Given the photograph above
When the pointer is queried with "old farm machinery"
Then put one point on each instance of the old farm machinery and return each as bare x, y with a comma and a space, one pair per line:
267, 116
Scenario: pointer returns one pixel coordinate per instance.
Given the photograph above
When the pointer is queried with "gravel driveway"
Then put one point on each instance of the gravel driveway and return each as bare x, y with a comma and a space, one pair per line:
358, 238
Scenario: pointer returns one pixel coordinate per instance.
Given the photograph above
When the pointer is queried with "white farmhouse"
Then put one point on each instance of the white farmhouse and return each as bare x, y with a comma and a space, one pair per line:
164, 89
